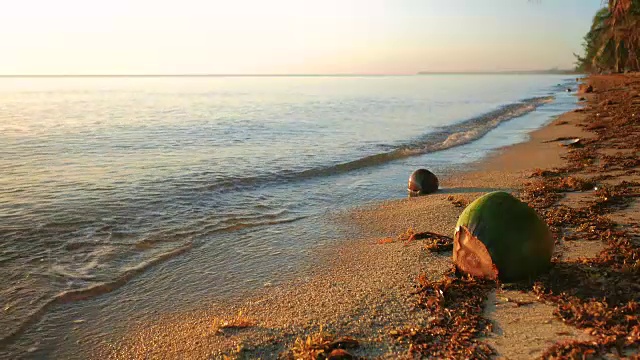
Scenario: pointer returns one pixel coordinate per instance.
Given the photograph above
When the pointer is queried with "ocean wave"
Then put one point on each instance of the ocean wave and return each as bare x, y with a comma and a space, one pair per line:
88, 292
441, 139
93, 288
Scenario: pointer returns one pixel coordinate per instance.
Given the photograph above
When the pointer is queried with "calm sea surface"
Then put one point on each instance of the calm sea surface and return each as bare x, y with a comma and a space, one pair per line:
124, 196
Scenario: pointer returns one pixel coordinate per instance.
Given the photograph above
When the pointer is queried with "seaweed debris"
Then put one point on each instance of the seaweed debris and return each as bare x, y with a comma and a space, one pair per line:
458, 201
322, 345
438, 243
453, 308
435, 242
239, 321
599, 295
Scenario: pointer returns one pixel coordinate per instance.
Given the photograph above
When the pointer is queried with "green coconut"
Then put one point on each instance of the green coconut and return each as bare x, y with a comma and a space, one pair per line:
500, 237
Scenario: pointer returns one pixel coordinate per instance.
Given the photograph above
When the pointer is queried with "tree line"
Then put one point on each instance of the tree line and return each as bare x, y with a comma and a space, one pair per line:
613, 42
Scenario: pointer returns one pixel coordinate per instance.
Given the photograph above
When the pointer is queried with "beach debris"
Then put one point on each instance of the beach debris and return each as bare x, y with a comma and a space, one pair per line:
453, 309
386, 240
435, 243
439, 243
498, 236
408, 235
421, 182
344, 342
544, 173
585, 89
518, 303
458, 201
340, 354
567, 141
322, 345
561, 138
576, 142
606, 102
239, 321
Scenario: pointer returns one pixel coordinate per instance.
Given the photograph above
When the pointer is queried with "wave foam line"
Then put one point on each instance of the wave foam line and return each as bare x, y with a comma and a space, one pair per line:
442, 139
88, 292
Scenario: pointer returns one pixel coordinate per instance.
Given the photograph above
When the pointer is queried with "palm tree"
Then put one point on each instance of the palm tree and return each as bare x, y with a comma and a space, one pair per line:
613, 42
619, 8
623, 30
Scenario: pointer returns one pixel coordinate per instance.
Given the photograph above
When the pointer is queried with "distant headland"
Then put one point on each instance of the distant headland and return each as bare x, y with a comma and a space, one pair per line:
511, 72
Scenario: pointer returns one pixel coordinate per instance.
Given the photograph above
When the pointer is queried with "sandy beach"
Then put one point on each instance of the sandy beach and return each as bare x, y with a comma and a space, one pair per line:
364, 289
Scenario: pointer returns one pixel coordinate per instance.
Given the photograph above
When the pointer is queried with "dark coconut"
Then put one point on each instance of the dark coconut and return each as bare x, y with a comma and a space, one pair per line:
422, 181
499, 236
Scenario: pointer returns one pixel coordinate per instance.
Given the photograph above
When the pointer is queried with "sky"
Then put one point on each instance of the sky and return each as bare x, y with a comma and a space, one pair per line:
289, 36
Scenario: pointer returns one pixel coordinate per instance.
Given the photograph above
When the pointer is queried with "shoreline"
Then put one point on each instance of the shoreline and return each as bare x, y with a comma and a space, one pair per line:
362, 288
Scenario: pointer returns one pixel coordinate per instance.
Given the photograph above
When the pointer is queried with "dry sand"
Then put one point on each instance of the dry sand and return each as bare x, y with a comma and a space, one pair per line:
363, 289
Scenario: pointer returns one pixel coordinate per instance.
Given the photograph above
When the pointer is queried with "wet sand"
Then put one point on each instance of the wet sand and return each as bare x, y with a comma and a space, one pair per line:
363, 289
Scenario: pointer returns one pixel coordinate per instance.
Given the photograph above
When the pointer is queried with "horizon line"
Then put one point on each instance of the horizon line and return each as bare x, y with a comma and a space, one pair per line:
288, 75
192, 75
